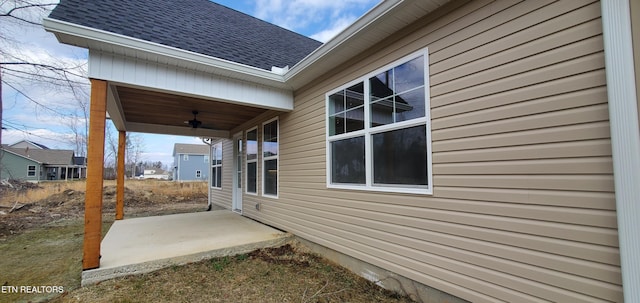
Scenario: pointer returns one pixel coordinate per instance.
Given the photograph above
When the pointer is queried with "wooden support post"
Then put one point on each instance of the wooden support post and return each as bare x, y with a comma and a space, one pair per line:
95, 170
122, 141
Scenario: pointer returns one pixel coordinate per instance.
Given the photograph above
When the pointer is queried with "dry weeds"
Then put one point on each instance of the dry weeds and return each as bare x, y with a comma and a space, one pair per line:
42, 245
43, 190
281, 274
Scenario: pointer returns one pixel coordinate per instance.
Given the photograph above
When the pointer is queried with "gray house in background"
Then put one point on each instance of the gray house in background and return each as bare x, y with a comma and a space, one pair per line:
190, 162
30, 161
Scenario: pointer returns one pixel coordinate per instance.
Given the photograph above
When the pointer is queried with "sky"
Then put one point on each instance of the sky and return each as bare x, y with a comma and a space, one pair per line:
54, 112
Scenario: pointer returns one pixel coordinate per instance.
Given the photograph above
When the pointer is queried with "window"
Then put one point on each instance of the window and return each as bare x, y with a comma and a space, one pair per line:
185, 157
270, 158
198, 174
216, 166
31, 170
378, 130
252, 161
206, 158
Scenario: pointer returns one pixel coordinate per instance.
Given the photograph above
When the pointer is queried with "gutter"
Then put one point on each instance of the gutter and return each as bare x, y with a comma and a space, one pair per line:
625, 138
232, 69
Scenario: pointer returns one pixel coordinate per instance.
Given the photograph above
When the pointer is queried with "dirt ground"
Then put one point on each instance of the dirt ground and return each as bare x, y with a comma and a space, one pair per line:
41, 244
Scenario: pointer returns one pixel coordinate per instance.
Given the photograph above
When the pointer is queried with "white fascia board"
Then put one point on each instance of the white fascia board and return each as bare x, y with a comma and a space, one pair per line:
114, 108
113, 40
625, 138
138, 73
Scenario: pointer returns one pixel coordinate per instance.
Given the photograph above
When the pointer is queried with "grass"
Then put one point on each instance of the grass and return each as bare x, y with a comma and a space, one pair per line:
255, 277
50, 255
157, 187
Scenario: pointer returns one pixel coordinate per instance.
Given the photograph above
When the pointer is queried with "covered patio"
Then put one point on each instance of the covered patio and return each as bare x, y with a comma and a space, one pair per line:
141, 245
153, 82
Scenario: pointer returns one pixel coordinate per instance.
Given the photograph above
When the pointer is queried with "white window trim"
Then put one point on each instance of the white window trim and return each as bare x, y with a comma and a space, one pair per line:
185, 157
247, 161
198, 174
367, 132
214, 164
276, 157
206, 158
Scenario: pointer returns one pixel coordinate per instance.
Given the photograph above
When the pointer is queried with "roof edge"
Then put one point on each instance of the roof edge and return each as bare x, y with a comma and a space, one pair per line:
21, 156
344, 36
87, 34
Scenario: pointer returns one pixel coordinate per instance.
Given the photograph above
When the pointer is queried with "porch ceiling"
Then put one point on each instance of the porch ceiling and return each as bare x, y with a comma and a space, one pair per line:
142, 110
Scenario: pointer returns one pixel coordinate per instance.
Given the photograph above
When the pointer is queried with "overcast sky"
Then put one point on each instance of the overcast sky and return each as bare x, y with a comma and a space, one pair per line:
318, 19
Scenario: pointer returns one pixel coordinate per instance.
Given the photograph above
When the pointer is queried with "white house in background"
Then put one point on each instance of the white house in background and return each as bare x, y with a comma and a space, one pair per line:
155, 174
190, 162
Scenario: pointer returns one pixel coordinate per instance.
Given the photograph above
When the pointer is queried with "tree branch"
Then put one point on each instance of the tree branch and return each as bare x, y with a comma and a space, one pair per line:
34, 101
11, 11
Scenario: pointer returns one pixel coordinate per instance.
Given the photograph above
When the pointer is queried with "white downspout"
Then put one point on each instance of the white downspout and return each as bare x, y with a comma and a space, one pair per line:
625, 138
209, 142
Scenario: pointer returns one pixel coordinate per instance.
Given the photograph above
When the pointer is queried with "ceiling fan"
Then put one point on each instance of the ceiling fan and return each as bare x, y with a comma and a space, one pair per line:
194, 123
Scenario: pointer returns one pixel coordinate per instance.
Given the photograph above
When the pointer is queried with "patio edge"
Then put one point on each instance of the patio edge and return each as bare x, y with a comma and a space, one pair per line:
94, 276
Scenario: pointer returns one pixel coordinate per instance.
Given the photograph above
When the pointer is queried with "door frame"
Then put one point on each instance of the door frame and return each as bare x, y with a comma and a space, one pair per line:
236, 192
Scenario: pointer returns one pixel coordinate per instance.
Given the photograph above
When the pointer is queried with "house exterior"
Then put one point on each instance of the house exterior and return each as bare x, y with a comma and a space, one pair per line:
28, 144
30, 161
486, 151
155, 174
190, 162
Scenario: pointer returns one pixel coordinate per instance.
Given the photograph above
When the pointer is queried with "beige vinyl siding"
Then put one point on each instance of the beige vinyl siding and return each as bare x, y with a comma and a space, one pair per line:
222, 197
523, 206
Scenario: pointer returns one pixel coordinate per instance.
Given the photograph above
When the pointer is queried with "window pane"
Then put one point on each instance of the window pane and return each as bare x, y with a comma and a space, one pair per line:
252, 145
400, 156
347, 161
270, 139
409, 75
252, 174
336, 124
218, 154
271, 177
355, 95
355, 119
381, 85
336, 103
382, 112
219, 177
410, 105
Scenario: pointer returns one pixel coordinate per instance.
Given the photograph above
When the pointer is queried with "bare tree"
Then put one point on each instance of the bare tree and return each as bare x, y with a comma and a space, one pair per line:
19, 67
20, 70
134, 150
134, 147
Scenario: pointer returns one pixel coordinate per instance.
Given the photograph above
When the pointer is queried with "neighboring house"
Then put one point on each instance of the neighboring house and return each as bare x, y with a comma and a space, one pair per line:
155, 174
450, 149
34, 162
28, 144
190, 162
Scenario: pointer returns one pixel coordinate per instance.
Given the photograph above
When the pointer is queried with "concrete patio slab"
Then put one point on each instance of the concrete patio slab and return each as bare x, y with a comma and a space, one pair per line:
140, 245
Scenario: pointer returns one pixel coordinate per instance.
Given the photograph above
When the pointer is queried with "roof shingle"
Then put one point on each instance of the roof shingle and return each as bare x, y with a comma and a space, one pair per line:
199, 26
46, 156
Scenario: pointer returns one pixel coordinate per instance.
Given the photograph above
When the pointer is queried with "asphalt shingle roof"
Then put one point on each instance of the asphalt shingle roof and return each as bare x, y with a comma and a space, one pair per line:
46, 156
199, 26
183, 148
